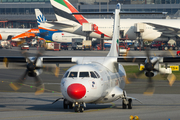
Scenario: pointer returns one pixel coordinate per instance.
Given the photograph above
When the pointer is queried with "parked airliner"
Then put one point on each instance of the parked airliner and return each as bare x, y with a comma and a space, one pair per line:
17, 34
54, 34
153, 29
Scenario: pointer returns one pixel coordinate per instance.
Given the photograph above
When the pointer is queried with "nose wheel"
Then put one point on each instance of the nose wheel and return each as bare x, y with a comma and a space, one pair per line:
79, 108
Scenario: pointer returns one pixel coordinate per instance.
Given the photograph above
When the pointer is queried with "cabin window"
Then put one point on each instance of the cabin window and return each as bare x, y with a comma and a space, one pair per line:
84, 74
93, 75
66, 74
73, 74
97, 74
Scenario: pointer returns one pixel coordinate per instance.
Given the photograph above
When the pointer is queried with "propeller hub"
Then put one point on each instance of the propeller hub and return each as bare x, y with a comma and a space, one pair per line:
149, 66
31, 66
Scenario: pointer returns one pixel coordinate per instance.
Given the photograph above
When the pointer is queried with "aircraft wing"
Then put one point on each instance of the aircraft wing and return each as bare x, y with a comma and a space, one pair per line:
166, 30
142, 59
44, 59
67, 59
61, 24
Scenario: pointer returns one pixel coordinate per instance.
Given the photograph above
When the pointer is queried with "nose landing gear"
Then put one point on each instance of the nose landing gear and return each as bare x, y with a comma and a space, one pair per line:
79, 107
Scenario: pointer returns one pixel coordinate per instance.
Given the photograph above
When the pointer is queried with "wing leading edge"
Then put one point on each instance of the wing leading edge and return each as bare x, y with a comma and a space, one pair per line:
166, 30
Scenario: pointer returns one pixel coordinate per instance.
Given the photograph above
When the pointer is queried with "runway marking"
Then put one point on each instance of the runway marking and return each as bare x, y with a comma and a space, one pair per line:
35, 116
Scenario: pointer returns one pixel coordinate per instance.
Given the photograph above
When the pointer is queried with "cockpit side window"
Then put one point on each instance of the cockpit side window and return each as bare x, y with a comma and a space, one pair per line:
93, 75
84, 74
73, 74
66, 74
97, 74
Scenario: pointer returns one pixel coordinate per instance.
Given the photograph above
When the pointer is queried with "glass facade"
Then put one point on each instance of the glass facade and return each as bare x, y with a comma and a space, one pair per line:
25, 10
107, 1
17, 11
166, 1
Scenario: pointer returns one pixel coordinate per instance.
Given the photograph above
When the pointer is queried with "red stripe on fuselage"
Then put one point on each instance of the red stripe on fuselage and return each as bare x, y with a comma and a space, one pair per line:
80, 18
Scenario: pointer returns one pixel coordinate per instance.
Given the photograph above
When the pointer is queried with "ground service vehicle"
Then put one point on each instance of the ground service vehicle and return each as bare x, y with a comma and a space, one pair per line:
167, 46
14, 44
5, 44
64, 46
77, 43
138, 46
156, 44
53, 46
24, 46
87, 44
34, 42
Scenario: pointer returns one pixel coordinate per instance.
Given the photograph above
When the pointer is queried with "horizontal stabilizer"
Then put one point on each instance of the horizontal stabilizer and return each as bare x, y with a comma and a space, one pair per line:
134, 99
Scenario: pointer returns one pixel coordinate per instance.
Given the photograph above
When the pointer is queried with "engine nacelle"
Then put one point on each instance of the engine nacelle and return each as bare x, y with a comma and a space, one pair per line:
36, 72
57, 37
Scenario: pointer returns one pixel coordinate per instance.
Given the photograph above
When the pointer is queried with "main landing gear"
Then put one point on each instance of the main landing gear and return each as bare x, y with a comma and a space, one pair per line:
126, 102
78, 107
67, 104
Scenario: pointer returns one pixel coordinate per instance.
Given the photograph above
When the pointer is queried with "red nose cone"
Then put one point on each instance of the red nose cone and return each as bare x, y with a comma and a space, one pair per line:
76, 91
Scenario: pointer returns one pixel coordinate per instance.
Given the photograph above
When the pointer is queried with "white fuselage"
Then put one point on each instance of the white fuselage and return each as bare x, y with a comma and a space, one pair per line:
5, 32
97, 90
127, 25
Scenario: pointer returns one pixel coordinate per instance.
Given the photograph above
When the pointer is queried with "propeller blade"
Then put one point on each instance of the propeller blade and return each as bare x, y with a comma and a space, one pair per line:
172, 54
57, 72
150, 87
17, 85
171, 78
155, 62
126, 80
39, 86
51, 69
24, 53
148, 56
40, 52
156, 70
139, 73
5, 60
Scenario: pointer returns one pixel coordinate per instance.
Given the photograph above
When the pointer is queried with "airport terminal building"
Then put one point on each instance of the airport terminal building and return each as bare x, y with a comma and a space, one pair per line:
20, 13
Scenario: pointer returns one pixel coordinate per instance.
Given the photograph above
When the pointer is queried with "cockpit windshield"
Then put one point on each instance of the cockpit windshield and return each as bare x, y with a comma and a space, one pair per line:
93, 75
84, 74
66, 74
97, 74
73, 74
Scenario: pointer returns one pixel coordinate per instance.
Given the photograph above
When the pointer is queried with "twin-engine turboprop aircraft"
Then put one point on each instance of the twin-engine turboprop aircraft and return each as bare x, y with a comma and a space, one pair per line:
93, 79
